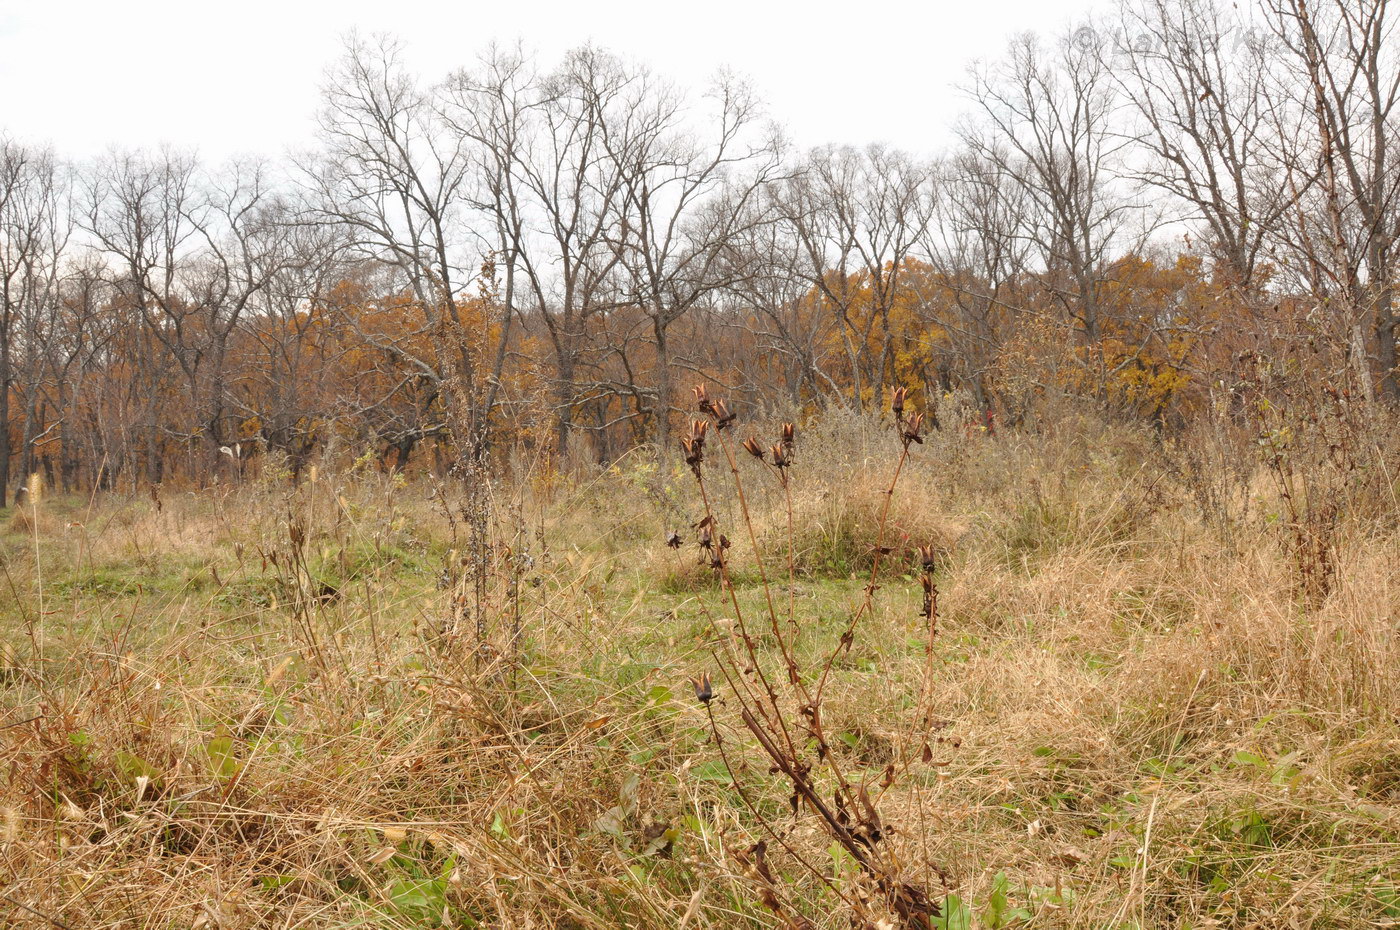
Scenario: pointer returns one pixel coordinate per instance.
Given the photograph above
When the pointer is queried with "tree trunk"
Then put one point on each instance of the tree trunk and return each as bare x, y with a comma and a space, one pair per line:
67, 462
28, 456
1385, 342
4, 423
564, 395
662, 424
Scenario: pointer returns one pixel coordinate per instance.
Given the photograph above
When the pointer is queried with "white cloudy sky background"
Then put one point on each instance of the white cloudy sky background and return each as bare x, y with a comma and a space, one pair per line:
244, 78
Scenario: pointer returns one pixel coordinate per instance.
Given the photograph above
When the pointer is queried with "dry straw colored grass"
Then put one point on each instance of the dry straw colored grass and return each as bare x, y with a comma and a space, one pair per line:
210, 723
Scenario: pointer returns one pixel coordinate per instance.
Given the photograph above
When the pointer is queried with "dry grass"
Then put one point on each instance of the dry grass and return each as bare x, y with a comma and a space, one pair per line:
207, 723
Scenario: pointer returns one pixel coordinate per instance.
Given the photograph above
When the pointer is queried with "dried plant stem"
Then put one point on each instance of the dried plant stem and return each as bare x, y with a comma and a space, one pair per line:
791, 558
844, 808
783, 646
773, 713
753, 809
848, 636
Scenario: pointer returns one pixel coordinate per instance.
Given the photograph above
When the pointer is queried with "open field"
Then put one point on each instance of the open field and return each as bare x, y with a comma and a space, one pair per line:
542, 465
365, 701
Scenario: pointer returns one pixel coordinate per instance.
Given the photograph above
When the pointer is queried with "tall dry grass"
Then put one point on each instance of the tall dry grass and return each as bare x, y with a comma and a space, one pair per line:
314, 707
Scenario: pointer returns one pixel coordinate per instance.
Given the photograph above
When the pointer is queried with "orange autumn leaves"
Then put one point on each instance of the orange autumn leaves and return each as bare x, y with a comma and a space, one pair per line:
912, 325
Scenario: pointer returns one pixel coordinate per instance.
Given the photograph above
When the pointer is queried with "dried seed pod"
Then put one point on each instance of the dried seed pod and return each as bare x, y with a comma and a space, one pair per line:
780, 456
913, 428
926, 557
788, 433
704, 689
722, 414
702, 399
673, 540
694, 445
897, 398
752, 447
694, 453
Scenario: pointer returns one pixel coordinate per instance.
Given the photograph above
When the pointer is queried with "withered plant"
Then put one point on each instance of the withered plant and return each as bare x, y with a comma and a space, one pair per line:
777, 699
488, 557
1325, 450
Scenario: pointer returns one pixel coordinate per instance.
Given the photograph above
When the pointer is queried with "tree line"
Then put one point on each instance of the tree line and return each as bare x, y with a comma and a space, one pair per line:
550, 253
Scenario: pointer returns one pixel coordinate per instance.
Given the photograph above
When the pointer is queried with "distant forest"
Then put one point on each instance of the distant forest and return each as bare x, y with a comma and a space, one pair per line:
1179, 213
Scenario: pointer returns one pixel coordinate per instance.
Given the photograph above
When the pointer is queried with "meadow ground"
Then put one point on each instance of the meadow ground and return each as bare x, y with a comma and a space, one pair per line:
363, 701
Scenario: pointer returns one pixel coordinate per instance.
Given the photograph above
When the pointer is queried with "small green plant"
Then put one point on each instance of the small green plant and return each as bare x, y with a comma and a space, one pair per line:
997, 912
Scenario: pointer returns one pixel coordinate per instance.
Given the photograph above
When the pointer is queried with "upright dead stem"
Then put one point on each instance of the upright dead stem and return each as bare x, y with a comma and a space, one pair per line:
811, 769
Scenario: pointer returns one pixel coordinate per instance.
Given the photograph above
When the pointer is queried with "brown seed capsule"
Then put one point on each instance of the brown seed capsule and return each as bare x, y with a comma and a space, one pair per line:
694, 445
673, 539
702, 399
926, 555
780, 456
704, 690
897, 398
913, 428
752, 447
722, 414
788, 432
705, 533
694, 453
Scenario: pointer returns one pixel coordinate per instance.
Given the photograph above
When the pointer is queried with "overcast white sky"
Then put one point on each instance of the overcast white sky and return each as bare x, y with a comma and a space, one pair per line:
243, 77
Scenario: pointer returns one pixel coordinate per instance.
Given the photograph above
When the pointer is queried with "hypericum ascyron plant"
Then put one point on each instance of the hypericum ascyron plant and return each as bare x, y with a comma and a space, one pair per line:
778, 699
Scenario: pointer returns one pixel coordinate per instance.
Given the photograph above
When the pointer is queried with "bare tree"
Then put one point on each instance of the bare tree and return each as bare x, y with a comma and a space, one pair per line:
288, 340
774, 308
394, 177
552, 192
979, 249
685, 200
35, 225
190, 254
1048, 116
1196, 78
859, 215
74, 356
1347, 79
